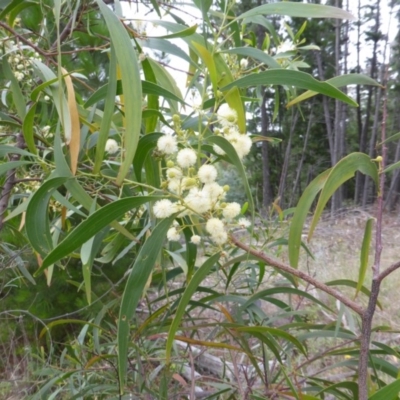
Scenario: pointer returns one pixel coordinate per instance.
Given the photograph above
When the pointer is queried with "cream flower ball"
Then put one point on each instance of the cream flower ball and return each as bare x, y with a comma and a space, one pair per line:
164, 208
231, 210
207, 173
226, 115
167, 144
112, 146
186, 158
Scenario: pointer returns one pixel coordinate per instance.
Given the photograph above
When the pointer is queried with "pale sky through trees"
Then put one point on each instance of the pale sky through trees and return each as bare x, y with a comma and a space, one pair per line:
191, 15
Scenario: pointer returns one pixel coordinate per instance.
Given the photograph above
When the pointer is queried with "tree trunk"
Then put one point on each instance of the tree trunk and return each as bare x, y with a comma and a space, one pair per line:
282, 182
336, 202
300, 164
266, 181
371, 90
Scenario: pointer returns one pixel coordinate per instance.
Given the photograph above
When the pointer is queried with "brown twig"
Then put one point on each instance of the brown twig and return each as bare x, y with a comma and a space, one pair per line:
300, 274
24, 40
388, 271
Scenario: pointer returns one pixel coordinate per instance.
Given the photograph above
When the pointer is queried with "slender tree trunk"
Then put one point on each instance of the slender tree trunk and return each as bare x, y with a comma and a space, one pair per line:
282, 182
266, 181
371, 89
372, 144
303, 153
325, 104
392, 196
338, 123
267, 190
359, 176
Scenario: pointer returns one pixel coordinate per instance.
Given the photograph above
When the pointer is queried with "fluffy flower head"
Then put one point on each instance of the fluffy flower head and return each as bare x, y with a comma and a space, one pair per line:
173, 235
112, 146
195, 239
207, 173
167, 144
213, 191
214, 225
231, 210
219, 237
244, 223
244, 63
198, 201
186, 158
164, 208
226, 115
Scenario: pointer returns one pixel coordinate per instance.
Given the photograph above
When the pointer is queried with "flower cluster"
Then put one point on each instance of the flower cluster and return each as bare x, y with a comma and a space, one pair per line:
227, 117
192, 181
20, 60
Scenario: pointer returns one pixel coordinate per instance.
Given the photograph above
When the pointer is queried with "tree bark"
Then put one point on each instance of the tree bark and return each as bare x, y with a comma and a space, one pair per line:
371, 89
285, 167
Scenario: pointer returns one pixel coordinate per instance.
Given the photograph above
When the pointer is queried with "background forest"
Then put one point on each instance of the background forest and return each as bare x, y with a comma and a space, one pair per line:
199, 200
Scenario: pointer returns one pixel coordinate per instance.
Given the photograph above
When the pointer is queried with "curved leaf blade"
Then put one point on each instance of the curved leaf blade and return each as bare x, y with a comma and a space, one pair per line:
134, 287
302, 10
197, 278
235, 160
37, 219
130, 77
390, 391
257, 54
93, 225
364, 254
338, 81
287, 77
11, 165
28, 129
340, 173
300, 215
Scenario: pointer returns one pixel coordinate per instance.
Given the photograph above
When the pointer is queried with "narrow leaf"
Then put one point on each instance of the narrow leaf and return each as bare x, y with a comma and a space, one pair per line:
130, 76
257, 54
197, 278
58, 95
338, 81
180, 34
208, 60
11, 165
364, 255
287, 77
147, 88
235, 160
340, 173
37, 219
302, 10
134, 287
300, 215
28, 129
109, 106
396, 136
392, 167
74, 143
388, 392
16, 91
92, 225
272, 331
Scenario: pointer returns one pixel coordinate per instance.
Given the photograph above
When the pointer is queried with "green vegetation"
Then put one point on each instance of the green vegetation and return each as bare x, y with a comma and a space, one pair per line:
145, 251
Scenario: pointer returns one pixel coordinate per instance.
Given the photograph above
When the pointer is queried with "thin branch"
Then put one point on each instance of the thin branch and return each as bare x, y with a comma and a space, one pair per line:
24, 40
388, 271
305, 277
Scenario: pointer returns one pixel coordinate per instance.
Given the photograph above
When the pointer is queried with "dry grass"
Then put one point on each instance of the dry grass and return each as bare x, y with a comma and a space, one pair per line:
336, 246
